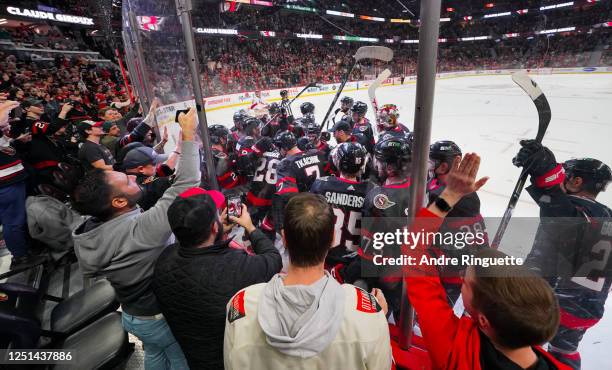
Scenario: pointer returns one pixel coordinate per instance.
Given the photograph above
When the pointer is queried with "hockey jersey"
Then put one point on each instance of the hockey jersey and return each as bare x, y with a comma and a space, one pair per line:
346, 198
362, 131
263, 184
573, 251
400, 131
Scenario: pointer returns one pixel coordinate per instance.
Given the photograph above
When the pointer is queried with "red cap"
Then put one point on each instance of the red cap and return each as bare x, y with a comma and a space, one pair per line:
217, 196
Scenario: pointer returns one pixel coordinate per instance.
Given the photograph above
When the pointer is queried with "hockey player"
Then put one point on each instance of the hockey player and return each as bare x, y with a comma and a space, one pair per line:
296, 172
387, 203
346, 195
223, 158
342, 130
362, 129
464, 217
313, 132
237, 132
346, 103
263, 183
388, 125
573, 244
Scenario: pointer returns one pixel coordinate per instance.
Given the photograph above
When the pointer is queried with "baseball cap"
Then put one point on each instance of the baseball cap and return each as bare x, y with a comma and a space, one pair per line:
107, 125
88, 124
142, 156
192, 213
342, 125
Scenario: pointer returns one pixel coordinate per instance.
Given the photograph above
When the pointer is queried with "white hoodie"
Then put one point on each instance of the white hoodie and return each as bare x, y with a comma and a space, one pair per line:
320, 326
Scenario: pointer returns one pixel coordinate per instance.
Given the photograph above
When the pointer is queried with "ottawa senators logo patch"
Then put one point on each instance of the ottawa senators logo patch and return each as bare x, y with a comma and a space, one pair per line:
366, 302
236, 310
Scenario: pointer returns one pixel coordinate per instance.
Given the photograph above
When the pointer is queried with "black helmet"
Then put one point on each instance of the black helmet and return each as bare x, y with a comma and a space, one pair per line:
274, 108
217, 132
360, 108
246, 143
284, 93
285, 140
350, 157
250, 124
395, 150
593, 172
347, 101
239, 118
307, 107
304, 144
443, 151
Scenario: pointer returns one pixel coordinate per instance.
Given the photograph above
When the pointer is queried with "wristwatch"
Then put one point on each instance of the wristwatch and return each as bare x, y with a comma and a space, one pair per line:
442, 205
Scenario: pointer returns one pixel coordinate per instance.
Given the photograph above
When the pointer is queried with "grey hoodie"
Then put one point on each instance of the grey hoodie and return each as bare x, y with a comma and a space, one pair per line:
301, 320
125, 249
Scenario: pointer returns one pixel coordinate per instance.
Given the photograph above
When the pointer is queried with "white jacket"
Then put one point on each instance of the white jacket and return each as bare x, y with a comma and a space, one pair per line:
362, 341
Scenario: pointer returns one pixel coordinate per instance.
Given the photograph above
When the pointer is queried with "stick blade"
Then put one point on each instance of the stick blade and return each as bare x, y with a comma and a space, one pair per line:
374, 52
525, 82
376, 84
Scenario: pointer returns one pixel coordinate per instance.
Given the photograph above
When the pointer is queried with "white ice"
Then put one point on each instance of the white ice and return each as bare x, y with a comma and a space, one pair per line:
489, 115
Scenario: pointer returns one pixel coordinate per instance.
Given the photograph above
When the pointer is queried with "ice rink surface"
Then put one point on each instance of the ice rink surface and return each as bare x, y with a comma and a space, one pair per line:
489, 115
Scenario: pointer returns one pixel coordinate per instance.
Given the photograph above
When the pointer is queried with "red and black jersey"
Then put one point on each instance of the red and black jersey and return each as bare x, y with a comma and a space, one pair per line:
573, 251
296, 173
226, 176
263, 184
400, 131
346, 198
362, 131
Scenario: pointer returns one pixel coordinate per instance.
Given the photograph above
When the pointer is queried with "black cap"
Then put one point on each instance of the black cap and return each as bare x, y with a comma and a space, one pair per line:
142, 156
192, 213
343, 125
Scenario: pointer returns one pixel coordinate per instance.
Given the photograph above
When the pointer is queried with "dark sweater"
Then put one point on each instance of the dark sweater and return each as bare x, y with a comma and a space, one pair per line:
193, 286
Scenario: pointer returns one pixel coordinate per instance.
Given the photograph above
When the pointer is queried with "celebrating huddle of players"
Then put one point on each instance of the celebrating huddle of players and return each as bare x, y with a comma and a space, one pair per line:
366, 176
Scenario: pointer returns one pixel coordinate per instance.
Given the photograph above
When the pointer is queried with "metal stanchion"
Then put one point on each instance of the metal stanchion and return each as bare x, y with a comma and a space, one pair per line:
425, 87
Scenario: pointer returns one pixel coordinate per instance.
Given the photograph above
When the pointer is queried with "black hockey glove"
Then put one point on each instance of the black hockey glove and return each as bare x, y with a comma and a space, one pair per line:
539, 162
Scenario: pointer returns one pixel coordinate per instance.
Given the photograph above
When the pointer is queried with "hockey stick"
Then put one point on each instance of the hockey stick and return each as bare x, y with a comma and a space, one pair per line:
312, 84
372, 94
365, 52
541, 103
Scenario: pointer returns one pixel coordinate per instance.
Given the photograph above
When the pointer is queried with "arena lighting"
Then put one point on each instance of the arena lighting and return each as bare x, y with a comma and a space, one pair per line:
301, 8
522, 11
355, 38
442, 40
468, 18
308, 36
340, 14
570, 3
477, 38
445, 19
410, 41
511, 35
450, 9
489, 5
497, 15
267, 33
368, 18
263, 3
28, 13
556, 30
399, 20
389, 41
216, 31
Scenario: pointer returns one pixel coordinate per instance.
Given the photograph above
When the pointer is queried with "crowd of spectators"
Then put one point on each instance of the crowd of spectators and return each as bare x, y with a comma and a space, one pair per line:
236, 65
